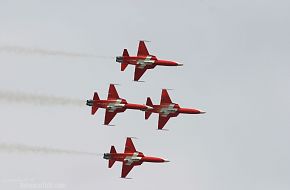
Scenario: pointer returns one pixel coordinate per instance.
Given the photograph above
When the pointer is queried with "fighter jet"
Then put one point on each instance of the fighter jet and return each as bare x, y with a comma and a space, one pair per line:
142, 61
113, 105
167, 109
130, 158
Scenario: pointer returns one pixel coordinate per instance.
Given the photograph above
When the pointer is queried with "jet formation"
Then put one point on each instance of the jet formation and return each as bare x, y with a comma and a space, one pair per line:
130, 158
114, 104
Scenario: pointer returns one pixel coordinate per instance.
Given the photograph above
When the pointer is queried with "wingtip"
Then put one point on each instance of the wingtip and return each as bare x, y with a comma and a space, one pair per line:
144, 41
167, 89
133, 137
109, 125
138, 80
115, 84
126, 177
163, 129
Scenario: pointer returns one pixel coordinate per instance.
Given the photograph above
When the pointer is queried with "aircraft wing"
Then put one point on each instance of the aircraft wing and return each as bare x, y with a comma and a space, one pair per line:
113, 94
126, 169
162, 121
142, 50
129, 146
109, 116
165, 99
138, 73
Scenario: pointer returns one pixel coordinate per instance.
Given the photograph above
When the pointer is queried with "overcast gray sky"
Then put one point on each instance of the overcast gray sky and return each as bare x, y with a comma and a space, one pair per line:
236, 68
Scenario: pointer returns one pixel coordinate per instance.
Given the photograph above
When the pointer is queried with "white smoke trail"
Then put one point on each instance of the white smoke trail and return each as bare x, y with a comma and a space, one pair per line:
46, 52
18, 97
24, 149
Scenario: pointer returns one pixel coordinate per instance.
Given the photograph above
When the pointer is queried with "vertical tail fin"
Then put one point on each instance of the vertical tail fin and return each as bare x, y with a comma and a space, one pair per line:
112, 151
125, 53
94, 107
124, 64
148, 103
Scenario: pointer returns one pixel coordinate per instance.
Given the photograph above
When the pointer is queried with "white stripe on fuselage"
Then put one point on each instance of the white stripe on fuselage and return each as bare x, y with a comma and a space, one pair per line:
130, 159
113, 106
144, 62
168, 110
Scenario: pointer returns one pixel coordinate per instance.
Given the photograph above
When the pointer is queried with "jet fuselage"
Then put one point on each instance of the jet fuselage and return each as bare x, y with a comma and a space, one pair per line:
136, 158
118, 104
173, 110
148, 62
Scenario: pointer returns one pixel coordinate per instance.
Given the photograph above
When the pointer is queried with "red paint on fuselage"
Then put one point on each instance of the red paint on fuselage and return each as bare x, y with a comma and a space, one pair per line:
177, 109
121, 157
189, 111
105, 103
136, 106
152, 159
133, 60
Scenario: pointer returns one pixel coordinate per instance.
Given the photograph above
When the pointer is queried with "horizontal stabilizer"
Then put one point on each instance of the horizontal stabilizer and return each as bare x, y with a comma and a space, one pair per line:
96, 96
94, 107
148, 103
147, 114
125, 53
112, 151
111, 163
94, 110
124, 64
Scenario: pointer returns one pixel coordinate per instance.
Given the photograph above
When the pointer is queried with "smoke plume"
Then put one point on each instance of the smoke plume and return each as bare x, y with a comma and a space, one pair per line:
18, 97
24, 149
46, 52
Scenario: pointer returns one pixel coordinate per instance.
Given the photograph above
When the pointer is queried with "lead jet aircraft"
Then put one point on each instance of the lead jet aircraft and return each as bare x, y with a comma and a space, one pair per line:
167, 109
113, 105
130, 158
142, 61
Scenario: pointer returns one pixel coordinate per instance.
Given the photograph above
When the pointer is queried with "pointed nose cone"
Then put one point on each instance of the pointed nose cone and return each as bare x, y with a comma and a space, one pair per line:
190, 111
153, 159
199, 112
167, 63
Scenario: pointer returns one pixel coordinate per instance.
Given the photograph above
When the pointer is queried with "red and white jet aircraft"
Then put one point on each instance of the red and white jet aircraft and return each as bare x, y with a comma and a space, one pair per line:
113, 105
130, 158
167, 109
142, 61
